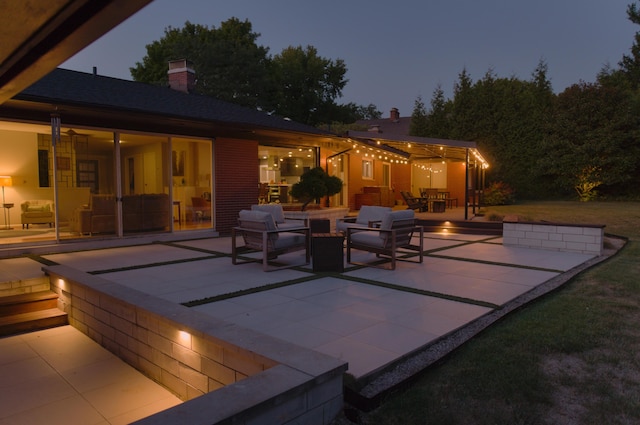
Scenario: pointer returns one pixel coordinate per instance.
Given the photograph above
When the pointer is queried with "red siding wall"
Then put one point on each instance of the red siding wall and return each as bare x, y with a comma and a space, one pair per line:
455, 181
236, 180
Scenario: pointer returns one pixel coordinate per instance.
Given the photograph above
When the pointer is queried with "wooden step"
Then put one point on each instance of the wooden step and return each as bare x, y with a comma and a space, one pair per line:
32, 321
25, 303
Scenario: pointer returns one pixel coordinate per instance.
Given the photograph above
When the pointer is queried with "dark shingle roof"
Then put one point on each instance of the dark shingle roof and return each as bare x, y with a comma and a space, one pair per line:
399, 126
63, 86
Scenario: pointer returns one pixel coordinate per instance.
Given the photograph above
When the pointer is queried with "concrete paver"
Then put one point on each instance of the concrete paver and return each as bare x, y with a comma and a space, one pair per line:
366, 316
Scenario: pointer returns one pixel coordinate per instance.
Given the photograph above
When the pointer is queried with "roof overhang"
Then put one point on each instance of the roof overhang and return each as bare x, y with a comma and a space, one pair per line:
81, 116
417, 149
38, 36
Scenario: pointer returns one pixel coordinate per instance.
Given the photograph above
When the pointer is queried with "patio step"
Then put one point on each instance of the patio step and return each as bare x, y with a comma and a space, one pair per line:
30, 312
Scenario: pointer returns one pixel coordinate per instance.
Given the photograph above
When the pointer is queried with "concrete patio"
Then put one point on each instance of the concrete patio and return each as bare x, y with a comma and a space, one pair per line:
371, 318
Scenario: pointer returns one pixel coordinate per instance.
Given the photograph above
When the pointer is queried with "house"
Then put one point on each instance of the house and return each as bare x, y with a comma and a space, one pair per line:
109, 151
117, 158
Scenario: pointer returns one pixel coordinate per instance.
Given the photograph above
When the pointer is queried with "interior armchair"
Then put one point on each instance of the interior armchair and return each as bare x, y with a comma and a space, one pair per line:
260, 234
200, 209
391, 241
37, 212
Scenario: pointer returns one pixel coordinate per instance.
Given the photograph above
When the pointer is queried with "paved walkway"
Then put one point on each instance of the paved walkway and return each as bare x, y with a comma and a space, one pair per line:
366, 316
61, 376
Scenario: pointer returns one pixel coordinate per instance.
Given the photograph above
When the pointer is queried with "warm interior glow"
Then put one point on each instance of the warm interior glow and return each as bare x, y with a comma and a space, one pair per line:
5, 181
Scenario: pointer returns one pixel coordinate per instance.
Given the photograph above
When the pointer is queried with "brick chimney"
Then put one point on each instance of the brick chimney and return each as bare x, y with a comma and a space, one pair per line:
182, 77
395, 115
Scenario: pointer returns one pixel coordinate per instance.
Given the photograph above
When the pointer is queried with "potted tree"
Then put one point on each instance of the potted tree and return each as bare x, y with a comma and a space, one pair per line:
315, 184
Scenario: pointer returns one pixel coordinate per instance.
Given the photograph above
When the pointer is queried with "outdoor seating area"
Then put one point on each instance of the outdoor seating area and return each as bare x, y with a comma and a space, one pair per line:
442, 197
380, 230
414, 202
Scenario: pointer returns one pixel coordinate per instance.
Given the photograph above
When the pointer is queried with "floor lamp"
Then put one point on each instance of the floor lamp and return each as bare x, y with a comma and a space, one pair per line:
6, 181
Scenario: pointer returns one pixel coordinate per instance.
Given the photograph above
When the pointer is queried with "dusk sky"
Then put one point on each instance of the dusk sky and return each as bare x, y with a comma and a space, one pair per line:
397, 50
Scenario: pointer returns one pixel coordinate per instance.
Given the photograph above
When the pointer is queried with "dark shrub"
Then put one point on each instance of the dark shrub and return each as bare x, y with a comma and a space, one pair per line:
498, 193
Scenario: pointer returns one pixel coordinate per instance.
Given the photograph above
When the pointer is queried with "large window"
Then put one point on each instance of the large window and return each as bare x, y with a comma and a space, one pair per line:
191, 183
386, 174
429, 174
367, 169
280, 168
106, 182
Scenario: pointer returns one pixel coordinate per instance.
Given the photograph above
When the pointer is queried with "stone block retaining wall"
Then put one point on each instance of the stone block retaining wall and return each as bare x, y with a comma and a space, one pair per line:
26, 286
225, 373
585, 239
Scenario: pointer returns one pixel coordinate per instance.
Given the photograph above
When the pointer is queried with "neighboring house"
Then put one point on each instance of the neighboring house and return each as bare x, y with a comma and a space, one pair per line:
395, 124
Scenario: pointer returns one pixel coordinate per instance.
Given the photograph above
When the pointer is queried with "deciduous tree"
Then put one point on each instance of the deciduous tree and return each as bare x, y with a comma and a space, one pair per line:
229, 64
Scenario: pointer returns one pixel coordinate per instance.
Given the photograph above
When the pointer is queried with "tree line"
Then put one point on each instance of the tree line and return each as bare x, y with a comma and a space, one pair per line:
583, 142
296, 83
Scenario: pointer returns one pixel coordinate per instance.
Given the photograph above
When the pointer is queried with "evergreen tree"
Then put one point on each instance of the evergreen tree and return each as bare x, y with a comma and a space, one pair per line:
462, 119
438, 118
418, 126
630, 64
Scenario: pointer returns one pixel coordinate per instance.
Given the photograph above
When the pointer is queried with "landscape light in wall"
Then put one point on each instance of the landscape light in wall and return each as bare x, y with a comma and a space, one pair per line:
6, 181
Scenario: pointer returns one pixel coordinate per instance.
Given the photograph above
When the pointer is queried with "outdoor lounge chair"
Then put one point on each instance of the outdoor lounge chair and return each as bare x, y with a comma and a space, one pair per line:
391, 240
415, 203
259, 232
367, 217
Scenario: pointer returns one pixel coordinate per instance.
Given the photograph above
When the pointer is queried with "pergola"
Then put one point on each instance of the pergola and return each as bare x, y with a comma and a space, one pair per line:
416, 149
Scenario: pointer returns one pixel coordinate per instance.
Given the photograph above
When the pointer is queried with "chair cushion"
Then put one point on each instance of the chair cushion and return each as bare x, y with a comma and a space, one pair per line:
37, 206
370, 238
290, 224
389, 218
260, 216
369, 213
342, 226
289, 239
274, 209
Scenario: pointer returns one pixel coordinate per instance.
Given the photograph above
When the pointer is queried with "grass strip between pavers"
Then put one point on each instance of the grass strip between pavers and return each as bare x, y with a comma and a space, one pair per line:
495, 263
422, 292
317, 276
192, 248
158, 264
433, 253
250, 291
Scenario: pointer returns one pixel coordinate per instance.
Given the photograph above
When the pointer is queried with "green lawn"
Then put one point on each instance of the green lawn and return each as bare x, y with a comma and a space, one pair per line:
572, 357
